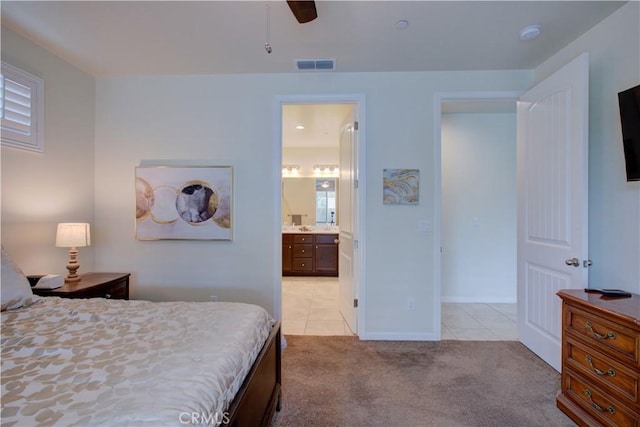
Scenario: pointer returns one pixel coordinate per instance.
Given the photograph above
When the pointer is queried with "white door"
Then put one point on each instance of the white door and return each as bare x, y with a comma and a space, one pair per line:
347, 199
552, 203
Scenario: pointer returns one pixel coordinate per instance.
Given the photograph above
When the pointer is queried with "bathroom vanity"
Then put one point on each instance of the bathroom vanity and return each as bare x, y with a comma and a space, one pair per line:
309, 254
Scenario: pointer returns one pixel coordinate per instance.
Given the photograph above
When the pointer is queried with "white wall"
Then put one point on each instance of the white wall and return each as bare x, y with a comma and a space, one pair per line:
479, 201
41, 190
205, 117
614, 204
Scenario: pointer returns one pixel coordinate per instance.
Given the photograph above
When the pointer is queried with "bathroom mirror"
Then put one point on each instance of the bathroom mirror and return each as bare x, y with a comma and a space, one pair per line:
310, 201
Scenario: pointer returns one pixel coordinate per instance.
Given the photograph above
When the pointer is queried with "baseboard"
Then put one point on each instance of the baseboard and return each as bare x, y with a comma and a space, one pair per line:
400, 336
480, 300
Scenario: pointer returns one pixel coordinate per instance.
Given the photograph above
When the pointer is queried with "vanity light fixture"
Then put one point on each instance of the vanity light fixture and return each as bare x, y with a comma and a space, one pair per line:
325, 170
290, 169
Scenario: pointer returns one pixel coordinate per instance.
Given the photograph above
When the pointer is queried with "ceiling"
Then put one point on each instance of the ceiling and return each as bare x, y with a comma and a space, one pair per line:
120, 38
321, 124
123, 38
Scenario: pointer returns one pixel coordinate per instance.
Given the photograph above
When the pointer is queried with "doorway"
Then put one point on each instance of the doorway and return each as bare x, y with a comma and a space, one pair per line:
477, 140
310, 137
479, 201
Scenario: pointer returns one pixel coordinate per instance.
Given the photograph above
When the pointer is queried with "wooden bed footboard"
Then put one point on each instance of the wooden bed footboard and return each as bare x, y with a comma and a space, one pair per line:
259, 397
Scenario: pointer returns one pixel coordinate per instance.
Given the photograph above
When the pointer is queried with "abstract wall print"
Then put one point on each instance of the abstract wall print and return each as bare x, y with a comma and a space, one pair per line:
400, 186
191, 202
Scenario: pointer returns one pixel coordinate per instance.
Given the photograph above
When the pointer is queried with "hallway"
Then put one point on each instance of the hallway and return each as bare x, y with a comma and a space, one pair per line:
310, 307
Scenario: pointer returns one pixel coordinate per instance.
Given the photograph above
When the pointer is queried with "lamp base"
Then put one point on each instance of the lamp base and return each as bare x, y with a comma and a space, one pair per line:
72, 267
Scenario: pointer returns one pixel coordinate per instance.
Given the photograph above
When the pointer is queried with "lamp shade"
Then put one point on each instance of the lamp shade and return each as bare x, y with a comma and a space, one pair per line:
73, 234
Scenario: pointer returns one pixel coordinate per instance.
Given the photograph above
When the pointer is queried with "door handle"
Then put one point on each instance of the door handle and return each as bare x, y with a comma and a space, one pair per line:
336, 241
573, 261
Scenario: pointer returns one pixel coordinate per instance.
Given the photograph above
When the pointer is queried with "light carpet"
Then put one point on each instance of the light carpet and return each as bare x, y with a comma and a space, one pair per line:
342, 381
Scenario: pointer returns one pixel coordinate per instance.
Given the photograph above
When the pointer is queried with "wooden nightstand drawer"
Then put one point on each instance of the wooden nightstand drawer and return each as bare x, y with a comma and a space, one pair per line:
597, 403
602, 370
115, 291
92, 285
608, 336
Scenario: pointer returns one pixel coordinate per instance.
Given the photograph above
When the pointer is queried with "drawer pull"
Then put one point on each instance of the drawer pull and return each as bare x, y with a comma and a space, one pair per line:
610, 409
600, 336
609, 371
107, 296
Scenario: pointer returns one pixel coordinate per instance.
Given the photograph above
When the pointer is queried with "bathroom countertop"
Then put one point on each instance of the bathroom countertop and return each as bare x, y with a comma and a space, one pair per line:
313, 231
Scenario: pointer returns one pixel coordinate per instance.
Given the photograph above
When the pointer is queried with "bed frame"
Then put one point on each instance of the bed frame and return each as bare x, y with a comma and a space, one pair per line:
259, 396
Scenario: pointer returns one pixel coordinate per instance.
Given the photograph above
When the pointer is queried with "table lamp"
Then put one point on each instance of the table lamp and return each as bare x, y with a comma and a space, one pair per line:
72, 235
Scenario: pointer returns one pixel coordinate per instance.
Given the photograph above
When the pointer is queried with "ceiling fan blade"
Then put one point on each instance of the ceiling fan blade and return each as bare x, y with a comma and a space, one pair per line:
304, 10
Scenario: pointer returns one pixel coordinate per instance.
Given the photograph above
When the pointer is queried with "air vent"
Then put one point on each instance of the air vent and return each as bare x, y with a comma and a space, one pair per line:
315, 64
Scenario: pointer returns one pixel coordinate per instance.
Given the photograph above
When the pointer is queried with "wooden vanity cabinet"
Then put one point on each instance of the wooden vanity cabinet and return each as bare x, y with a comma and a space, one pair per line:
326, 254
309, 254
287, 253
302, 256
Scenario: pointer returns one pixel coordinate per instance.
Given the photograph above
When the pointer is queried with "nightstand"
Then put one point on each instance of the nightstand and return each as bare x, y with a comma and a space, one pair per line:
92, 285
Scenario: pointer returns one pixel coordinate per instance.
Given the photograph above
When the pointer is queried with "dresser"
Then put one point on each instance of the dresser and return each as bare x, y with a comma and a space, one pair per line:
92, 285
600, 359
310, 254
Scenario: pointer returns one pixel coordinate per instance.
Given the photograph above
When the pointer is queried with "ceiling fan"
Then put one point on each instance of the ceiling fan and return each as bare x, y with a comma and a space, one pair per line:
303, 10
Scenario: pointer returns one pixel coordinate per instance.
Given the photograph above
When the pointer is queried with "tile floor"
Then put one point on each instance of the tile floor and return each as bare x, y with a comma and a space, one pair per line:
310, 307
479, 322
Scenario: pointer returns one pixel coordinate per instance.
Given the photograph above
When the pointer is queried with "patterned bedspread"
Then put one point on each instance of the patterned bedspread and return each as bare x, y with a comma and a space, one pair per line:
132, 363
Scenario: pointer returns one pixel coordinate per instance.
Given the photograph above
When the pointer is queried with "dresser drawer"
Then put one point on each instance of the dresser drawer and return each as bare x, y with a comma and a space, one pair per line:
598, 404
302, 264
303, 238
608, 336
602, 370
302, 251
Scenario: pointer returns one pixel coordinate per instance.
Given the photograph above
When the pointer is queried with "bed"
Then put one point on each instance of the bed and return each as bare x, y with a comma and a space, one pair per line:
135, 363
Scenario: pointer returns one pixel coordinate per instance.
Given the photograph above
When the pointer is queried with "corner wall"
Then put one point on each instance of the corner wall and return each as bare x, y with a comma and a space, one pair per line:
41, 190
614, 204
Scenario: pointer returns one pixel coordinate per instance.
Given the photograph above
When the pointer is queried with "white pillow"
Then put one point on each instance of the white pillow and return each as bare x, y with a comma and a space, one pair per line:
14, 286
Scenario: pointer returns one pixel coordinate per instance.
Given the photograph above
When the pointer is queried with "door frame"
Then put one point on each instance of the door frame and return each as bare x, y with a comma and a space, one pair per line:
358, 100
439, 98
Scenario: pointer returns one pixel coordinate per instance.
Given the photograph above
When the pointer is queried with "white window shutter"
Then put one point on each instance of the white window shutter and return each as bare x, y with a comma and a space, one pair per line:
21, 109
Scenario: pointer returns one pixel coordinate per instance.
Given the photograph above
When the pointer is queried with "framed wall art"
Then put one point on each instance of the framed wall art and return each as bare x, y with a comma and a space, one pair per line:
400, 186
190, 202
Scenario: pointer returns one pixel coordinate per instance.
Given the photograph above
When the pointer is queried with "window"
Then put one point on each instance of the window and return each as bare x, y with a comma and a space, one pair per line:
21, 109
325, 201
